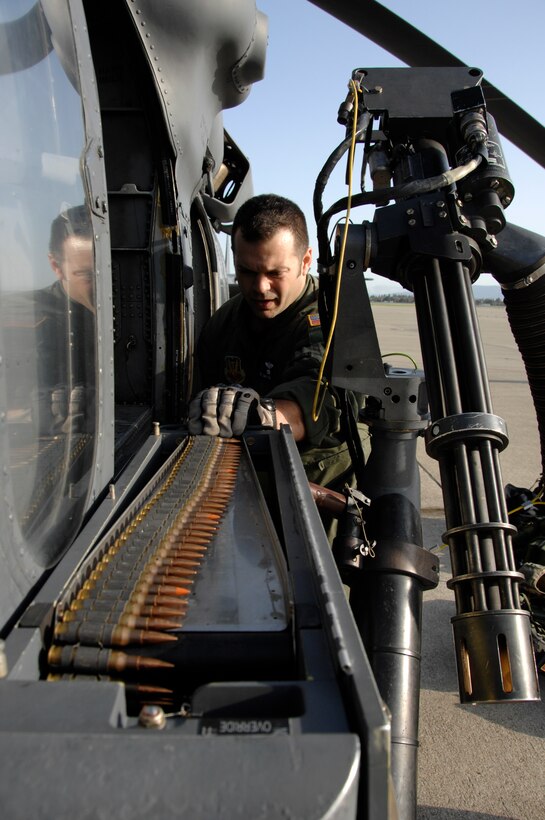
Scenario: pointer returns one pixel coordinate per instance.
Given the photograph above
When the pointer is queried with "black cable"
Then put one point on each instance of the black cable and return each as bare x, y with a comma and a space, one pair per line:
352, 434
330, 164
323, 177
414, 188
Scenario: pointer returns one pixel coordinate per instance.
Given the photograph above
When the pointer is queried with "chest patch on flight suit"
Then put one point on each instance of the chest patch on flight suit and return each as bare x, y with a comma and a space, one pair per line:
265, 370
314, 319
234, 372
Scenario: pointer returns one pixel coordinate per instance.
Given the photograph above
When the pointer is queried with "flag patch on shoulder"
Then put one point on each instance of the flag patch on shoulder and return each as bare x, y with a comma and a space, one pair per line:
314, 319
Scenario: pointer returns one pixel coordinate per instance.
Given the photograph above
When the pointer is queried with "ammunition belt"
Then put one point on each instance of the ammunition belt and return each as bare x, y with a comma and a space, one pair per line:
118, 614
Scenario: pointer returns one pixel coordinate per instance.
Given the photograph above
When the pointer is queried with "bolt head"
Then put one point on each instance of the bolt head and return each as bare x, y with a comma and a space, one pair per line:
152, 717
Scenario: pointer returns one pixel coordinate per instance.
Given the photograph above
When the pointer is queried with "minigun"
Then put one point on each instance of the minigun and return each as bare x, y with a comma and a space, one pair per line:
432, 149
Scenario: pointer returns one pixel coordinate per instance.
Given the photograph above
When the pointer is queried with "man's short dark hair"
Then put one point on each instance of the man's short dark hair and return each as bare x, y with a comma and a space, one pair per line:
262, 216
72, 222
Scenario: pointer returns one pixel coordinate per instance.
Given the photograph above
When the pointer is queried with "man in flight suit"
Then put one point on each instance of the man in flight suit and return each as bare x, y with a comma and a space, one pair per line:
259, 355
65, 334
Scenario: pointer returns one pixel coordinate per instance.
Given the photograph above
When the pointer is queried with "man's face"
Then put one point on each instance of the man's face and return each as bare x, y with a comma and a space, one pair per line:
271, 273
76, 270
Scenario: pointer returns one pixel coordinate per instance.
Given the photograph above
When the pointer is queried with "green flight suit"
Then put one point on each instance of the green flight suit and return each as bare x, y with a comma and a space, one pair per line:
281, 362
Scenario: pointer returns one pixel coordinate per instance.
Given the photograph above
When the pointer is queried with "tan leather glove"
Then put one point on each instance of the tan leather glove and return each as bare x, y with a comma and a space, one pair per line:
69, 409
226, 411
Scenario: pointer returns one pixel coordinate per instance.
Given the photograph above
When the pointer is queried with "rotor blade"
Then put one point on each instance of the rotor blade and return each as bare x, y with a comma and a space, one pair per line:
416, 49
24, 41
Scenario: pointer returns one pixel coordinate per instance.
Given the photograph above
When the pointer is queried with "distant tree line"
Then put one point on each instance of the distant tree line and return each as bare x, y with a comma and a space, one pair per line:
408, 298
398, 298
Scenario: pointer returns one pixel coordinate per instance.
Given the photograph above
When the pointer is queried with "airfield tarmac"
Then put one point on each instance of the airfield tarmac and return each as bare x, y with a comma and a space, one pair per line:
485, 761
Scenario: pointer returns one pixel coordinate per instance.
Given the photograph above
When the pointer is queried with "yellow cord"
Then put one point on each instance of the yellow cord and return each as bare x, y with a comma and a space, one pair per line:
318, 400
406, 355
535, 502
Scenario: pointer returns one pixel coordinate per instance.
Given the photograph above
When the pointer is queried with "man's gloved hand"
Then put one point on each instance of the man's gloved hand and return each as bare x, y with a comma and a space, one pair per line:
226, 411
59, 405
75, 419
69, 408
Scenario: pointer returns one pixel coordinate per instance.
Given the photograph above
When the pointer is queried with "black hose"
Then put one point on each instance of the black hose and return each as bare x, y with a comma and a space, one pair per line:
325, 173
322, 225
415, 187
518, 264
526, 313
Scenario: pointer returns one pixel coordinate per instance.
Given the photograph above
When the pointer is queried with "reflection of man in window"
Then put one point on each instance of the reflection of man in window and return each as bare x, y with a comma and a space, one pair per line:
71, 255
66, 327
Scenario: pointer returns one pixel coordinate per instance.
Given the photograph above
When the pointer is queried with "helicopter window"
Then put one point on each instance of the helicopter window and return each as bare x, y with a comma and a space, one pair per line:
47, 289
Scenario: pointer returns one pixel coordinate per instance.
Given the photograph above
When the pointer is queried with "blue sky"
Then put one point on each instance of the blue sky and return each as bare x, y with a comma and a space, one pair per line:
288, 125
